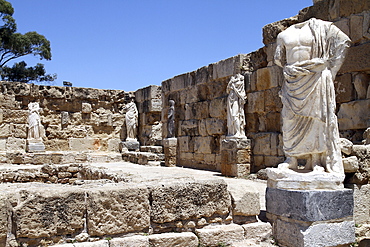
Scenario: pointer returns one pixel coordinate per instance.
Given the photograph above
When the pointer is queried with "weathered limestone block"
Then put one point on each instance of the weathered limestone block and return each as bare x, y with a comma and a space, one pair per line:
5, 130
52, 211
355, 23
113, 145
227, 67
2, 144
214, 236
117, 209
350, 164
293, 234
137, 241
259, 231
256, 102
15, 144
272, 100
351, 115
361, 209
147, 93
267, 78
217, 108
347, 8
101, 243
357, 59
86, 108
215, 126
245, 199
187, 200
346, 146
83, 144
189, 128
204, 144
4, 216
15, 116
271, 31
184, 239
343, 24
267, 144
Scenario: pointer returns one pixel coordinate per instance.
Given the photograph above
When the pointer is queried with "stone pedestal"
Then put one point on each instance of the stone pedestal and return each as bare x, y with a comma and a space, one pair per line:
130, 145
310, 211
235, 156
35, 147
170, 151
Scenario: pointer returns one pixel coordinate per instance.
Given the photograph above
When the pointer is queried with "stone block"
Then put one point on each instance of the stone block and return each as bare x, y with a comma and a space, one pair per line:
147, 93
19, 130
361, 210
272, 100
117, 209
2, 144
256, 102
35, 147
52, 211
346, 146
257, 230
184, 239
266, 143
100, 243
217, 108
217, 88
183, 142
227, 67
354, 115
271, 31
347, 8
245, 199
4, 217
355, 23
344, 88
215, 126
64, 118
204, 145
357, 59
189, 128
86, 108
320, 234
113, 145
310, 205
136, 241
343, 24
214, 236
187, 200
350, 164
269, 77
15, 144
82, 144
5, 130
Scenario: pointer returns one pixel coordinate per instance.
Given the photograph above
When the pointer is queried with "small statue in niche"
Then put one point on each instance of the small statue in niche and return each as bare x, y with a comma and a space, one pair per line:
131, 121
311, 54
171, 120
35, 129
235, 106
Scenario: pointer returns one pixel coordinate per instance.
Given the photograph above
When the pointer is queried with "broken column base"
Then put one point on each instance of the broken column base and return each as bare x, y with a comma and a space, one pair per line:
170, 151
235, 156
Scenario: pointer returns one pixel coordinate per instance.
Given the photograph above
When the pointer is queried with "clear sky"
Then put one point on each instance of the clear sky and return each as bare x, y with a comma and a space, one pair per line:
130, 44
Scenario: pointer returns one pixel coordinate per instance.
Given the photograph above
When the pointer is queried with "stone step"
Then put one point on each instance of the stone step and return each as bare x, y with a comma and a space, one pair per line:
152, 149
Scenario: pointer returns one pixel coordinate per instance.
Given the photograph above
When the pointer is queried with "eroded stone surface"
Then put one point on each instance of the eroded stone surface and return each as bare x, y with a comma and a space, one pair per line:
185, 239
215, 235
183, 201
137, 241
115, 209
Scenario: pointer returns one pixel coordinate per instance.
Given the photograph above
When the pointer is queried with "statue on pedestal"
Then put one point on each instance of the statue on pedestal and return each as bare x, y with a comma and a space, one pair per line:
35, 129
311, 54
131, 121
235, 106
171, 120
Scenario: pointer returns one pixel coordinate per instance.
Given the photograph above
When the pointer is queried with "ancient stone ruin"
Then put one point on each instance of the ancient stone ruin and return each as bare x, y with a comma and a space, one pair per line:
83, 167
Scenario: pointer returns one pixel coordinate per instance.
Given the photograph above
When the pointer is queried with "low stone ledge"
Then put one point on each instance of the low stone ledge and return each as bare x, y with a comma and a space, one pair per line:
137, 241
185, 239
213, 236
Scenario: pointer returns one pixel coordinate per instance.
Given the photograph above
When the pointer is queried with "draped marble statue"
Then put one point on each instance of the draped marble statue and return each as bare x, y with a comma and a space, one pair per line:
235, 106
311, 54
171, 120
35, 129
131, 121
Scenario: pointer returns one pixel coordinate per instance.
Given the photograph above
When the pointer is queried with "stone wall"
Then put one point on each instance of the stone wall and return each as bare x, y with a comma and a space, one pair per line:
149, 105
200, 95
76, 119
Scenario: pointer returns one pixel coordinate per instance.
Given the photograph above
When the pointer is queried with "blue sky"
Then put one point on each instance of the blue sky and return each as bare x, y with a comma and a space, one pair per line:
130, 44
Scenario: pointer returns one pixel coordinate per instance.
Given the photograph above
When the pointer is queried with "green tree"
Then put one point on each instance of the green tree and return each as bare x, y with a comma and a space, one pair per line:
14, 45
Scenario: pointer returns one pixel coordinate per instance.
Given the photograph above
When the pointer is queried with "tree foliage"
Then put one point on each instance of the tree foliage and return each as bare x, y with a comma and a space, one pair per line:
14, 45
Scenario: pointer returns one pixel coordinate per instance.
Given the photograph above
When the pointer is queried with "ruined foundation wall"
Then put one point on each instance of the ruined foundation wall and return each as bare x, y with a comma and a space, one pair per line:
200, 95
76, 119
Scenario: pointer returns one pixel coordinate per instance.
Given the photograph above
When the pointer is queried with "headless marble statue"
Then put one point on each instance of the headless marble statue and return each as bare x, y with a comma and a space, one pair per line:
35, 129
131, 121
311, 54
171, 120
235, 106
